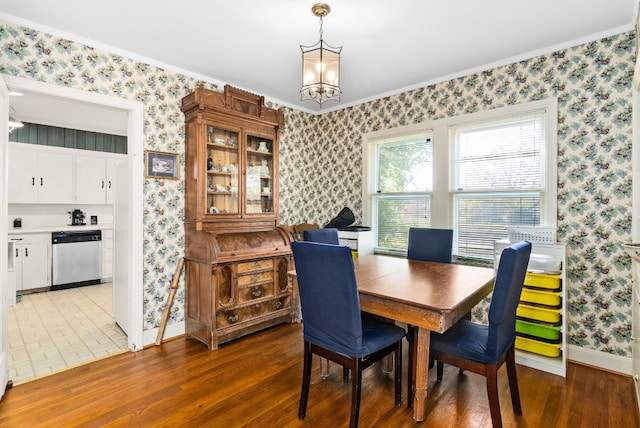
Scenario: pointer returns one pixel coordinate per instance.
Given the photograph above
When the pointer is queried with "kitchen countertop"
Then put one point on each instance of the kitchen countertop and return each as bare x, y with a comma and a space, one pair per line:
58, 228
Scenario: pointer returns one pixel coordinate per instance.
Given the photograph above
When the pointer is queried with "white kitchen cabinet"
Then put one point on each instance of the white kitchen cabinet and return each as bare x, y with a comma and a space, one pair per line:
32, 260
112, 163
107, 254
10, 290
94, 179
90, 179
41, 176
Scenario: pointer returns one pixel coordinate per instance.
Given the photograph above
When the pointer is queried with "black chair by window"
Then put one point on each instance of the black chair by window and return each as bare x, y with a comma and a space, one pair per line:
483, 349
333, 326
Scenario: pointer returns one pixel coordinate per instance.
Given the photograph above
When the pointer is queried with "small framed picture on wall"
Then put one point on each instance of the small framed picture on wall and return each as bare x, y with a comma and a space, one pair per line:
161, 165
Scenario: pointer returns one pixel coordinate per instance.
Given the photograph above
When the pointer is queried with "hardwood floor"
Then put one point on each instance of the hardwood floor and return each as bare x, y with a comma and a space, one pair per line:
255, 382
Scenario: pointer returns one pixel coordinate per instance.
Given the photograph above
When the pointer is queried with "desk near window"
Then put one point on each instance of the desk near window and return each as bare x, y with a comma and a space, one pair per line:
431, 296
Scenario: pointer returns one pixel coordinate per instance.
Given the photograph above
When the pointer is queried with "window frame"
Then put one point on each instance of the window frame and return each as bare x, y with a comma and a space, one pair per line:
441, 133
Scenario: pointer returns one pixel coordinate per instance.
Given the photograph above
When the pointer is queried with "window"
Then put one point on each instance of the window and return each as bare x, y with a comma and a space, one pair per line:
403, 189
477, 174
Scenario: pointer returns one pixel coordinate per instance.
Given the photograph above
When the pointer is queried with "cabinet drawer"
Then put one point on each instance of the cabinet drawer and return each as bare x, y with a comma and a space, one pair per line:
255, 265
255, 278
539, 313
547, 349
540, 280
225, 318
247, 294
548, 298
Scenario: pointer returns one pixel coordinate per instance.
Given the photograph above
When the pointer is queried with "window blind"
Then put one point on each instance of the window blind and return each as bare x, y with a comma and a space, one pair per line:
499, 180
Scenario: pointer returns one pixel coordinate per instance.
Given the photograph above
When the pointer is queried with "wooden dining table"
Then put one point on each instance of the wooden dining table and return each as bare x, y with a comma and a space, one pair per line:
430, 296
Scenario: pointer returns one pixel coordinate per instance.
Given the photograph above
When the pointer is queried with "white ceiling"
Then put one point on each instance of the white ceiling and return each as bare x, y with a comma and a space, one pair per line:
388, 46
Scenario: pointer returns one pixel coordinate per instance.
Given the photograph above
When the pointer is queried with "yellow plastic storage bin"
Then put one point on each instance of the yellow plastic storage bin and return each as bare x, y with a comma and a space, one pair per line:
547, 349
538, 313
549, 298
542, 331
541, 280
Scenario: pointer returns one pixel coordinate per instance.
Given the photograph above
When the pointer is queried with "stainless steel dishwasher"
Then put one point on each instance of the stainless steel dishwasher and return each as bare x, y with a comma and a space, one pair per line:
77, 258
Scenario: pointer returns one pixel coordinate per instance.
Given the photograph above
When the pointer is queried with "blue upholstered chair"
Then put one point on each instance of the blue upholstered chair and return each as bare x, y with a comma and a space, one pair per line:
333, 326
326, 236
483, 349
426, 245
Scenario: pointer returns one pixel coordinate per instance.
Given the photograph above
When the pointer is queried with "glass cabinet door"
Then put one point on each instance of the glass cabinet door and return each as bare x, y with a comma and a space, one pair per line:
259, 183
222, 171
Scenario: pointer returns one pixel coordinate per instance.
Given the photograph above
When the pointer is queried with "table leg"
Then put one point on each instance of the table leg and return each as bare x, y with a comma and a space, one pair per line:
421, 373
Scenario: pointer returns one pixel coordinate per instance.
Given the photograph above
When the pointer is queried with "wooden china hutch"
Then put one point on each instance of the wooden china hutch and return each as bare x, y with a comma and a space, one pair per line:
236, 256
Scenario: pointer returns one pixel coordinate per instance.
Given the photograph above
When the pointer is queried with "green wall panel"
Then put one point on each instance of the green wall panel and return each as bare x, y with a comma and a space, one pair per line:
45, 135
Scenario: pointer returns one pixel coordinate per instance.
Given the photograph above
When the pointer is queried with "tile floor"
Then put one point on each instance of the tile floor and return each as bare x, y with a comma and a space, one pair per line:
52, 331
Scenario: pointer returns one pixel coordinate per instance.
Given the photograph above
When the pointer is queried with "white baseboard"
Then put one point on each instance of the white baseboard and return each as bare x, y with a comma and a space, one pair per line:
600, 359
172, 330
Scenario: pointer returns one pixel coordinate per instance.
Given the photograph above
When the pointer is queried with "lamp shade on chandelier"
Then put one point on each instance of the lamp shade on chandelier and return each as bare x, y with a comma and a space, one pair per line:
320, 66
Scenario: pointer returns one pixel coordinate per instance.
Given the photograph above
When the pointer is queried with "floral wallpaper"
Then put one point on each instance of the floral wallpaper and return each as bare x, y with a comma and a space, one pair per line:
592, 83
321, 157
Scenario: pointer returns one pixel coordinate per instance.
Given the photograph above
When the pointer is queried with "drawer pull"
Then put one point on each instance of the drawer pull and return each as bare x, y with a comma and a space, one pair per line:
256, 265
233, 318
256, 293
255, 278
278, 304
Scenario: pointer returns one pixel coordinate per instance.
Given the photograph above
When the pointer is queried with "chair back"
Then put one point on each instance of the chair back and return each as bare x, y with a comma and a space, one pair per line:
325, 236
506, 296
328, 296
430, 245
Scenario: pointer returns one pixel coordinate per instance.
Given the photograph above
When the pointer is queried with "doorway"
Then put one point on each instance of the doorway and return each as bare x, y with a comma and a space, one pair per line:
127, 270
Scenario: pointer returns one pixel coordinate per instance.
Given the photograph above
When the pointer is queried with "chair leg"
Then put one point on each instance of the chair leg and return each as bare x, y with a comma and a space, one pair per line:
355, 395
439, 370
306, 381
387, 364
324, 368
398, 374
411, 369
492, 393
513, 381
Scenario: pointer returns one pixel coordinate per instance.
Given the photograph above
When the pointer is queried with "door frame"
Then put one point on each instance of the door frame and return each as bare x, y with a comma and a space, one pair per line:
4, 230
134, 221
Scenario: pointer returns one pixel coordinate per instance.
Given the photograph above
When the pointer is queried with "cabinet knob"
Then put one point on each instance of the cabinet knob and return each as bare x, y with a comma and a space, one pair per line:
233, 318
278, 304
255, 278
256, 293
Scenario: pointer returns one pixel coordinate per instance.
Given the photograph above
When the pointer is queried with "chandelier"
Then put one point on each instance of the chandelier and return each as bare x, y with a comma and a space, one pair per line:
320, 66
